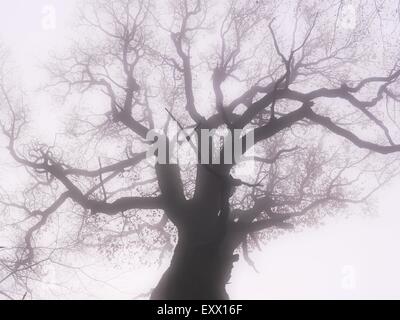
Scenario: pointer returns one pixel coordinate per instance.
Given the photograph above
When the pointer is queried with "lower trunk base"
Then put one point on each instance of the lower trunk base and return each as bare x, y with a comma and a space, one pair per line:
196, 273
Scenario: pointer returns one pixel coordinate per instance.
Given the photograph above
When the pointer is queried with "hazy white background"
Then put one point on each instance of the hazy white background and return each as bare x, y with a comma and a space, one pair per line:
356, 257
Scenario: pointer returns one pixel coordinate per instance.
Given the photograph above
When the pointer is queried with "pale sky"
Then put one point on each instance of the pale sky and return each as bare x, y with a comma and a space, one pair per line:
347, 258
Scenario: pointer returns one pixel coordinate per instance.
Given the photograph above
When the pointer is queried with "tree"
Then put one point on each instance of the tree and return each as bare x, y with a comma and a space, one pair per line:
307, 93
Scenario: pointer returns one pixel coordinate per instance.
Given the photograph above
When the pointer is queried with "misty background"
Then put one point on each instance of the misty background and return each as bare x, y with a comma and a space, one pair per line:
348, 256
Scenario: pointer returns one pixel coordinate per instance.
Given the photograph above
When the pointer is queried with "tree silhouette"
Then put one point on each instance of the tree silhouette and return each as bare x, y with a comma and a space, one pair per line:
320, 106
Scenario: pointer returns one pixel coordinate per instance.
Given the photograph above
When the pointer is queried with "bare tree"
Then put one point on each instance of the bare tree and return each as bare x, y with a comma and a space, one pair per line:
307, 89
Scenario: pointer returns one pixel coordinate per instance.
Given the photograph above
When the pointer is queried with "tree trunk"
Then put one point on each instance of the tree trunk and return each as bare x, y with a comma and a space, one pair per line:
196, 272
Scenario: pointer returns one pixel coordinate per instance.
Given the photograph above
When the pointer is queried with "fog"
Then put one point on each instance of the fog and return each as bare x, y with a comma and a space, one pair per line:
347, 257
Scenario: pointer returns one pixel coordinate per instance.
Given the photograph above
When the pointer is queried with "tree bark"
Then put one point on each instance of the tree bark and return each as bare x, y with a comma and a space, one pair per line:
203, 258
197, 272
